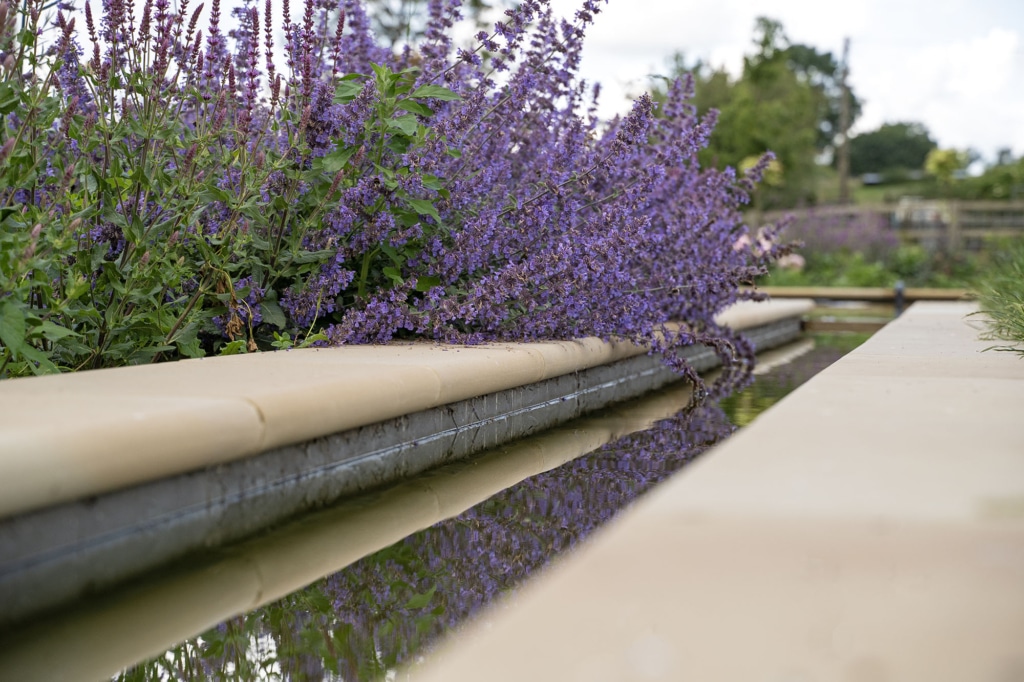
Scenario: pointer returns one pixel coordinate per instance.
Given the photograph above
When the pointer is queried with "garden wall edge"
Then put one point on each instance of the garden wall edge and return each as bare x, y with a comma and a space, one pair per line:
128, 425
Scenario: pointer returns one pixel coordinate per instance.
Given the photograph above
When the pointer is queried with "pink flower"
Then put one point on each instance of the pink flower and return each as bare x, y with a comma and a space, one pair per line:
792, 261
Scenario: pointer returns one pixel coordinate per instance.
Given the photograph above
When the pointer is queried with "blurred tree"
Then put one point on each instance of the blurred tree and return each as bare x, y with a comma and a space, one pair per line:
1002, 181
771, 106
893, 147
944, 163
822, 72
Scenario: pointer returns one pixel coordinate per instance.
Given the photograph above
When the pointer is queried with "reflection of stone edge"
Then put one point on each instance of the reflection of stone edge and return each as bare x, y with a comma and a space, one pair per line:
55, 555
101, 636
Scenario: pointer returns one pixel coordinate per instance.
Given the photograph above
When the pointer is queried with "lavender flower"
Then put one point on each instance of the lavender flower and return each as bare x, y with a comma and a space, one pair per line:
381, 194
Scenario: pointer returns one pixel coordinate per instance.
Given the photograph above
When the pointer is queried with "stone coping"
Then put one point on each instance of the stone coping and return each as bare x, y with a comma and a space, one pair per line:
73, 436
870, 526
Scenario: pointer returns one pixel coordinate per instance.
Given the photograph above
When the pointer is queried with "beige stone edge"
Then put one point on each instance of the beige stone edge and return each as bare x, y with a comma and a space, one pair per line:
869, 526
75, 435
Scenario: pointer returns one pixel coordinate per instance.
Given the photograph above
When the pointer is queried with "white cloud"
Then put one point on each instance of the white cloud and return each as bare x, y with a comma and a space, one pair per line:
955, 65
980, 67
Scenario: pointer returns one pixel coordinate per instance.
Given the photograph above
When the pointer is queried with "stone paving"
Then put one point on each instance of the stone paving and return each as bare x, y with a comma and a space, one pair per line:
868, 527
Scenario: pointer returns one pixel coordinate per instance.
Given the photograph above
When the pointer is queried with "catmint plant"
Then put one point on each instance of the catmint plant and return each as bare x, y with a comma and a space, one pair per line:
169, 191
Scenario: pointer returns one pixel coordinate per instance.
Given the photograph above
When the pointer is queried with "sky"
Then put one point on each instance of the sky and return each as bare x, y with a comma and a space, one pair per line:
957, 66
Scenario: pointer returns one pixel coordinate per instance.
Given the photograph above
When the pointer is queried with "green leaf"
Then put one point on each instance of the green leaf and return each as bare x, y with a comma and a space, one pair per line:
431, 181
394, 275
211, 193
9, 99
313, 338
272, 314
233, 348
400, 144
380, 71
420, 600
426, 283
52, 332
346, 91
335, 161
190, 348
408, 124
415, 107
436, 92
390, 251
319, 602
12, 327
88, 180
407, 218
282, 341
424, 207
39, 362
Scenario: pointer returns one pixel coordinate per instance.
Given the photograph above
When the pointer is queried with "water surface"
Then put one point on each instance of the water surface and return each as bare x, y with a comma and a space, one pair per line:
386, 609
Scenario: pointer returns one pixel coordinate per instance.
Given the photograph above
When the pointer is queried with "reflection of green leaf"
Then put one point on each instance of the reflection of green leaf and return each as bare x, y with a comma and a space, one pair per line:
436, 92
420, 600
319, 602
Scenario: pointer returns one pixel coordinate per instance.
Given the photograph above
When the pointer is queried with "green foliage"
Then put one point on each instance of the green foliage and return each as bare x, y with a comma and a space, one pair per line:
822, 72
1001, 296
893, 147
835, 269
69, 302
1002, 181
786, 101
909, 263
944, 163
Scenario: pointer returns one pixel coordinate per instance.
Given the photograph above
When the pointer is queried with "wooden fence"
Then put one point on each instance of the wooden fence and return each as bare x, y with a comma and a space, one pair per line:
949, 225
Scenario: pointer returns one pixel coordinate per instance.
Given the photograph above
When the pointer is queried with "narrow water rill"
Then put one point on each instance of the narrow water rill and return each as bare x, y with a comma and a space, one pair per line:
384, 588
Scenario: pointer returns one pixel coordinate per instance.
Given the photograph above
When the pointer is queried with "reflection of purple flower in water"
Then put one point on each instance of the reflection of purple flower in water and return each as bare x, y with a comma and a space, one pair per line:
384, 609
490, 549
